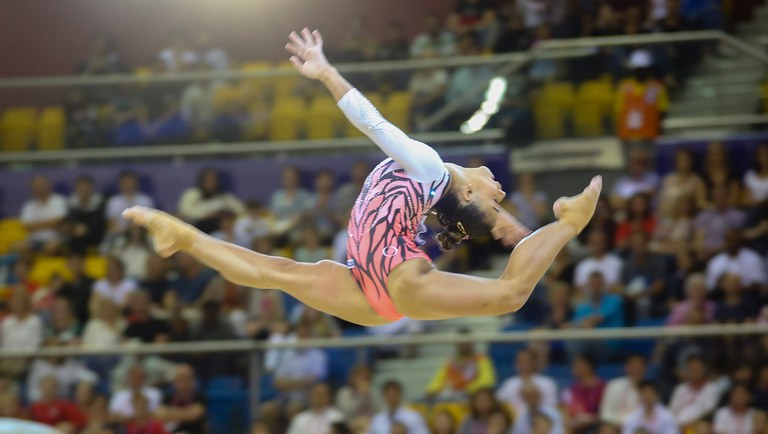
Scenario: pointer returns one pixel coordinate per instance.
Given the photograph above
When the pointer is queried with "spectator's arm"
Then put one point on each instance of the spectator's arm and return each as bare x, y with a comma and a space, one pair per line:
704, 404
486, 376
438, 381
609, 408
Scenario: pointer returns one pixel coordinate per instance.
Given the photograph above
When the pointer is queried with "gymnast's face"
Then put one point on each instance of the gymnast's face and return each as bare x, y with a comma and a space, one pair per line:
484, 191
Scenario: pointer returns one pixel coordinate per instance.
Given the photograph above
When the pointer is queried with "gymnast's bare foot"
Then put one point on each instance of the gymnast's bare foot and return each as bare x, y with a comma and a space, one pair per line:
576, 211
169, 234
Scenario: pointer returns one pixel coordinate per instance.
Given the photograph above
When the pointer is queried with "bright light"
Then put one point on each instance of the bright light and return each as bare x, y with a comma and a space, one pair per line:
494, 95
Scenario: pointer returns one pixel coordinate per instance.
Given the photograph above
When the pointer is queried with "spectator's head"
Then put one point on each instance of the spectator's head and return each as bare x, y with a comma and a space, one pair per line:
136, 377
598, 243
137, 235
499, 422
468, 44
465, 348
291, 178
696, 370
588, 25
10, 405
227, 220
639, 163
84, 188
20, 303
444, 423
743, 373
595, 286
84, 394
320, 397
41, 187
515, 23
211, 311
141, 305
62, 315
115, 269
302, 330
583, 367
733, 242
531, 394
311, 238
392, 391
106, 310
360, 376
76, 264
638, 243
525, 362
187, 265
49, 388
483, 402
719, 196
696, 288
128, 182
260, 427
324, 182
209, 182
730, 283
639, 207
740, 397
542, 424
649, 394
683, 161
398, 428
359, 172
433, 25
636, 368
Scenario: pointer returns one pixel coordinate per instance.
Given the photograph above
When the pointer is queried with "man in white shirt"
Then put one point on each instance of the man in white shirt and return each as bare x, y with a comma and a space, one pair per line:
736, 259
298, 370
121, 404
23, 328
68, 372
697, 397
43, 216
525, 421
737, 417
609, 265
510, 391
129, 196
320, 415
395, 412
622, 396
639, 179
651, 415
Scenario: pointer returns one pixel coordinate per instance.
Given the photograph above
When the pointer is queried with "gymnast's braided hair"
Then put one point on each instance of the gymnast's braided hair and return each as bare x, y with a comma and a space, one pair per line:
460, 221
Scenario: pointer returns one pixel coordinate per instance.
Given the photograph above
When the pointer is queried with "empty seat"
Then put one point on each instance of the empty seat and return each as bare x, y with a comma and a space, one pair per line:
287, 119
397, 109
46, 267
17, 128
51, 129
96, 267
323, 119
12, 231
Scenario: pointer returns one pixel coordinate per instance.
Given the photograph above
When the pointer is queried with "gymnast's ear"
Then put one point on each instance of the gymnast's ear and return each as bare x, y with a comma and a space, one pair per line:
465, 193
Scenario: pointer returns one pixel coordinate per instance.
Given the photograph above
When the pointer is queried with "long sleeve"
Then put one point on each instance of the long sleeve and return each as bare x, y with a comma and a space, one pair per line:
438, 380
486, 376
420, 161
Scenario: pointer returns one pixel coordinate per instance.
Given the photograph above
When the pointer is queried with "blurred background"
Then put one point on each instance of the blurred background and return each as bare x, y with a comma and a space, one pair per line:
650, 322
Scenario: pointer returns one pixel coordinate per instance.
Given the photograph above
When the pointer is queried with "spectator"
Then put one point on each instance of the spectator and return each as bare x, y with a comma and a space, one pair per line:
641, 103
462, 374
435, 38
393, 45
396, 412
142, 324
535, 12
643, 280
528, 203
735, 306
105, 328
713, 223
427, 87
756, 227
197, 108
226, 227
102, 58
444, 423
357, 45
681, 182
526, 422
62, 327
582, 399
202, 204
183, 410
254, 223
321, 212
499, 422
357, 399
21, 329
640, 179
599, 309
156, 281
562, 270
600, 260
97, 416
290, 202
638, 216
513, 37
603, 221
143, 421
696, 397
121, 406
321, 325
739, 260
320, 415
195, 284
87, 224
158, 371
718, 173
69, 372
50, 409
674, 233
178, 55
738, 417
79, 289
311, 250
482, 404
128, 183
756, 178
510, 391
465, 77
477, 16
622, 395
115, 286
133, 248
650, 415
207, 53
345, 196
43, 217
695, 299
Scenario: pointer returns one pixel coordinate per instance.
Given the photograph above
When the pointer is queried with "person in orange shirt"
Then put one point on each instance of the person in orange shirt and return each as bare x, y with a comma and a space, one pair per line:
462, 374
641, 103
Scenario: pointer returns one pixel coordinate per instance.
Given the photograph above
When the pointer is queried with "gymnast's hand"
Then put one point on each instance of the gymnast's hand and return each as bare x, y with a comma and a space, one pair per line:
169, 234
308, 57
508, 229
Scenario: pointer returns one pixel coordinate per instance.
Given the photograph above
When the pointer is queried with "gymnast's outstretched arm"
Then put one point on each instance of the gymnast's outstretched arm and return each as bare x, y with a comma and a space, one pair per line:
420, 161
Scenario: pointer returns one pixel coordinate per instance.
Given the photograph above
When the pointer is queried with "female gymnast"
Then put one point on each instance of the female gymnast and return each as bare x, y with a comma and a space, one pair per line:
386, 276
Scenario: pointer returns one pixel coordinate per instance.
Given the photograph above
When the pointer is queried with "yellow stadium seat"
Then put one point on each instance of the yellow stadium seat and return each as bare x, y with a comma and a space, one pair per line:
51, 128
397, 109
323, 119
18, 128
257, 126
377, 101
561, 94
549, 118
594, 102
96, 267
46, 267
287, 119
12, 231
258, 87
284, 86
764, 95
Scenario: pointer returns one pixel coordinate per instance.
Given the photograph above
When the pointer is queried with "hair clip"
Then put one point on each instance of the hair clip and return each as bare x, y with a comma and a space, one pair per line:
462, 230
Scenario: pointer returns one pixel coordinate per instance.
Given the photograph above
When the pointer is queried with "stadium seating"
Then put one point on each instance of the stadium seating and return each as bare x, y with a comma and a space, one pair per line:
324, 118
12, 231
51, 129
397, 109
17, 128
552, 108
594, 102
288, 119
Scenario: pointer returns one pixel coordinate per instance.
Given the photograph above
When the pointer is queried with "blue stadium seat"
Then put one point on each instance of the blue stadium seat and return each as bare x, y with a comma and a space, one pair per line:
341, 361
227, 404
643, 347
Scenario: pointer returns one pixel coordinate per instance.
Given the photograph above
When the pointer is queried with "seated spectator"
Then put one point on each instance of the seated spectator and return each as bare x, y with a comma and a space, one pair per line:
213, 327
86, 221
641, 101
756, 228
526, 422
428, 87
462, 374
128, 183
643, 280
599, 261
195, 284
105, 328
739, 260
156, 281
68, 371
320, 414
115, 286
254, 223
542, 69
345, 196
756, 178
674, 233
639, 179
562, 270
209, 54
510, 390
289, 203
735, 306
622, 395
477, 16
396, 412
321, 325
321, 212
602, 221
143, 420
582, 399
444, 422
78, 290
102, 58
158, 372
696, 397
202, 204
435, 38
713, 223
121, 406
357, 399
183, 410
142, 325
196, 106
97, 417
681, 182
43, 217
513, 36
226, 227
51, 409
482, 405
133, 247
599, 309
695, 299
62, 327
529, 205
311, 250
465, 77
638, 216
650, 415
20, 329
739, 417
178, 55
718, 173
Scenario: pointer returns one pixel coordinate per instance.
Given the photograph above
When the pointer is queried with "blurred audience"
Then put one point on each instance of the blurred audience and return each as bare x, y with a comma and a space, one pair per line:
395, 412
43, 217
462, 374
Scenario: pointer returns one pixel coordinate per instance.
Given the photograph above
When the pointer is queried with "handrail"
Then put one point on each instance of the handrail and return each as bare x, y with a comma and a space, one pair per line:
425, 339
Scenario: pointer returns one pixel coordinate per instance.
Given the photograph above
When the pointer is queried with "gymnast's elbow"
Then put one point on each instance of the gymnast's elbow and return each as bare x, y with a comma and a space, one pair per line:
511, 297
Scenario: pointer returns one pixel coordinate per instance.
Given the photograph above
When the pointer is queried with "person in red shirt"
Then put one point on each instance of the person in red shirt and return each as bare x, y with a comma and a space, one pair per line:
52, 410
143, 422
582, 399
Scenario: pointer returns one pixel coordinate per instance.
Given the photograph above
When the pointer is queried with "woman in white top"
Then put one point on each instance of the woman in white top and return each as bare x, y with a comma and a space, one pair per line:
201, 205
738, 417
116, 286
105, 328
134, 249
756, 179
683, 181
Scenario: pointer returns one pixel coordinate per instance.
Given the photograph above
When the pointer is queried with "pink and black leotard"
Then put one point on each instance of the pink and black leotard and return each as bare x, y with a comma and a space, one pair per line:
389, 214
